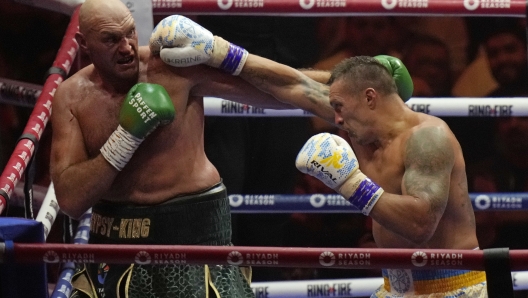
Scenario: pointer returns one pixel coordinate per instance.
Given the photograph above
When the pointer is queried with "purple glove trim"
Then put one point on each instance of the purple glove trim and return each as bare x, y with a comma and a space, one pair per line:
232, 59
363, 194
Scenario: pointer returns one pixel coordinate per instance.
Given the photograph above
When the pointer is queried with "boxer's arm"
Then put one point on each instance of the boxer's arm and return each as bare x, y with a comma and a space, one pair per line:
79, 182
290, 85
215, 83
414, 215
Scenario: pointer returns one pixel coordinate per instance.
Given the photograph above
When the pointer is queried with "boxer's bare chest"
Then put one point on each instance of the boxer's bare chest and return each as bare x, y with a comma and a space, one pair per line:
98, 116
384, 166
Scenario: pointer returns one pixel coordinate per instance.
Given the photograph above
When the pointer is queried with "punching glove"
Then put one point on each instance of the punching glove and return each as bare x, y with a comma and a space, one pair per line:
146, 107
330, 159
400, 74
181, 42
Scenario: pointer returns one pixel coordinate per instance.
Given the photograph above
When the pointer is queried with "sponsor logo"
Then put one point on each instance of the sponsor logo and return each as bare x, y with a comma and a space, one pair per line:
391, 4
258, 200
483, 202
167, 3
420, 259
486, 4
327, 259
261, 292
353, 259
51, 257
236, 200
235, 258
490, 111
227, 4
169, 258
319, 200
230, 107
422, 108
322, 170
309, 4
78, 257
329, 290
142, 258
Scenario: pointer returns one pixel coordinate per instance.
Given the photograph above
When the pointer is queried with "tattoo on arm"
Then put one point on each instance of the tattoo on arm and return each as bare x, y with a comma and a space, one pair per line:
429, 159
311, 90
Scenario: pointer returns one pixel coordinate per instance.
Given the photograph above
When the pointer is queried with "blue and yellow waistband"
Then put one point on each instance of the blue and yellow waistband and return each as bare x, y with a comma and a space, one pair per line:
439, 281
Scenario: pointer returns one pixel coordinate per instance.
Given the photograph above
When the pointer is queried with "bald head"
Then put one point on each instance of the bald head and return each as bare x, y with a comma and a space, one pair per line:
100, 12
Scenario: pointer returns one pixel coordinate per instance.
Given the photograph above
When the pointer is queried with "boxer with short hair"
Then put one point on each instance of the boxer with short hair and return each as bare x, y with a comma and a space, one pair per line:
128, 143
405, 169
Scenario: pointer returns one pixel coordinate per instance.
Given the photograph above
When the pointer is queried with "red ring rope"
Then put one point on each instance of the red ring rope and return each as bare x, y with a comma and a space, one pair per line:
506, 8
39, 117
343, 258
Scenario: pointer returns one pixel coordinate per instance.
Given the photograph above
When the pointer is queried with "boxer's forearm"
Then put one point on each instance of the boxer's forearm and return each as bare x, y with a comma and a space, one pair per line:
289, 85
321, 76
80, 186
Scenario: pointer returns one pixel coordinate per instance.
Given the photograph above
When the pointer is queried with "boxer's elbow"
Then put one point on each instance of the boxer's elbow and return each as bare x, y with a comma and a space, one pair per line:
69, 205
423, 228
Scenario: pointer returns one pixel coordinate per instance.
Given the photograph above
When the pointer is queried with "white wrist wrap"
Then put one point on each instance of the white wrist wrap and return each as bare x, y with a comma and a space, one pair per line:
120, 147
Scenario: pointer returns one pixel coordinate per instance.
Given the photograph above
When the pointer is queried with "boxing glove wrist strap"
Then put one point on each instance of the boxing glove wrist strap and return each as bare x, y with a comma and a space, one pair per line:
228, 57
366, 195
120, 147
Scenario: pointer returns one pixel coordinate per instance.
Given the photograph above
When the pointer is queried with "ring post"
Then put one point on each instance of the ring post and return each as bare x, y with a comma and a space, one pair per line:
14, 277
498, 272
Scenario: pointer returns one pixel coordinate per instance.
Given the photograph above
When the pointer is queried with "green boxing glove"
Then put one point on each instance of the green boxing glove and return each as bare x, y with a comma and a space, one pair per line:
400, 74
146, 107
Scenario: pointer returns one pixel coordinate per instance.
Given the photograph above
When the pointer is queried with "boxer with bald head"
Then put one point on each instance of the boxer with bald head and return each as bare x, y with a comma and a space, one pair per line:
128, 142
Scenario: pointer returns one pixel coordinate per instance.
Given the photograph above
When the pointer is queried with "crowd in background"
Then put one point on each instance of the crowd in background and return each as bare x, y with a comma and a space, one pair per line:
446, 57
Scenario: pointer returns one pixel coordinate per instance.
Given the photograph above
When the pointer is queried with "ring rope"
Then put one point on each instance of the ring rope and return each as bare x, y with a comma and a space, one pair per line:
39, 117
23, 94
507, 8
19, 93
64, 287
438, 106
472, 8
337, 258
343, 258
355, 287
335, 203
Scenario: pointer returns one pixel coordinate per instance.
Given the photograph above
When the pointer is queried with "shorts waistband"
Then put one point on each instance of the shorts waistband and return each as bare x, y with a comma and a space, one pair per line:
202, 218
421, 282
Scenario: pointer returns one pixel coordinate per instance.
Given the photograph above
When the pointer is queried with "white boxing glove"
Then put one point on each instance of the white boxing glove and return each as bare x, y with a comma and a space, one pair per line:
181, 42
330, 159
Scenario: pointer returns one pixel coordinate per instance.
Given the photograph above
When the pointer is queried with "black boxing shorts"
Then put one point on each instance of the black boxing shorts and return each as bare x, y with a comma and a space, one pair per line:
198, 219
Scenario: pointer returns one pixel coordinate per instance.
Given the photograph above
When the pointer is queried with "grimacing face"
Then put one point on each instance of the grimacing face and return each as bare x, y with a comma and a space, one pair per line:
350, 112
113, 48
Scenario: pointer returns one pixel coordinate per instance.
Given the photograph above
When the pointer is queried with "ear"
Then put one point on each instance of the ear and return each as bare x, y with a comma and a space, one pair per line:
81, 41
371, 96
